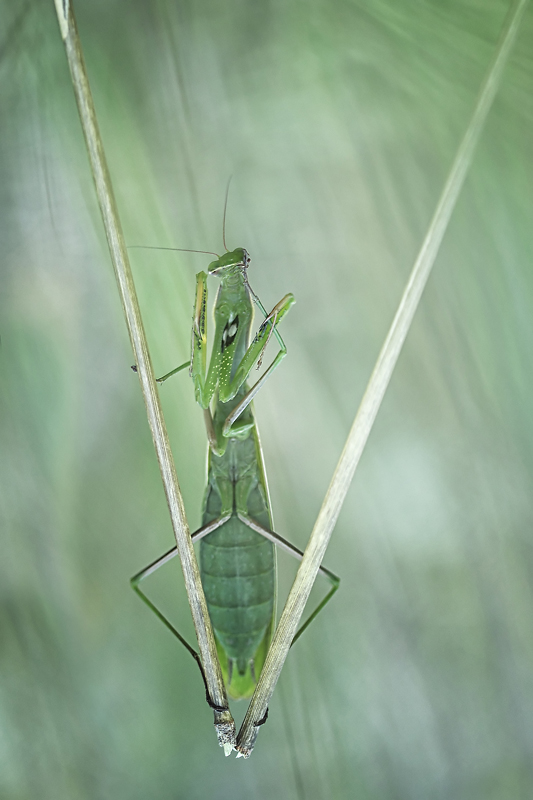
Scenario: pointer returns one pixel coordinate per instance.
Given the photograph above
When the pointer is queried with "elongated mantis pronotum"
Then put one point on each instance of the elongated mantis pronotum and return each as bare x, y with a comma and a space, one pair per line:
236, 552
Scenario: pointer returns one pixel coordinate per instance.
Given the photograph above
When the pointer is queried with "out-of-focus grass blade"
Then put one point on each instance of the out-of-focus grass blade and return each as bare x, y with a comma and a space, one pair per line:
224, 723
375, 392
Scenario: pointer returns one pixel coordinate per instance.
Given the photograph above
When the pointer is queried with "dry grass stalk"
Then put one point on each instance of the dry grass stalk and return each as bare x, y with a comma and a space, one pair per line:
375, 392
224, 723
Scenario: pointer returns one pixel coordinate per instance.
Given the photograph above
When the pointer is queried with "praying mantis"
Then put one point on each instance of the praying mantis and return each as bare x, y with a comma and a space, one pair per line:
237, 558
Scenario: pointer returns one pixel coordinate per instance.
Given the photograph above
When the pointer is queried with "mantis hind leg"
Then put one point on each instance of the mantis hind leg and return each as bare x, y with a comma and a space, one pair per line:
279, 541
153, 567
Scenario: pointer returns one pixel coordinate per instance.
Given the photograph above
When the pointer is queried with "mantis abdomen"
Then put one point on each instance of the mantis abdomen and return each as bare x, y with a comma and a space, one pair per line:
238, 565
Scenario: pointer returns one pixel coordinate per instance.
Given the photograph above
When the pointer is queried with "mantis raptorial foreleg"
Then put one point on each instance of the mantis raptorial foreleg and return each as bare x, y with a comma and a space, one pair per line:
229, 327
232, 324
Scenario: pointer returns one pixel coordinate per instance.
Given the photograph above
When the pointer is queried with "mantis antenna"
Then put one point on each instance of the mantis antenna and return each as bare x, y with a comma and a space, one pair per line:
224, 216
177, 249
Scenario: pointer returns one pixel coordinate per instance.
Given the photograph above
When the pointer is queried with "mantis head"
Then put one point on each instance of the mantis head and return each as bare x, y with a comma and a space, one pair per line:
236, 260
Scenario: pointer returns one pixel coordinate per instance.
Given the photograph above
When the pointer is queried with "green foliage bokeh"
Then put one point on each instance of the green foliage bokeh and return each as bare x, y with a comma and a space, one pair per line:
339, 121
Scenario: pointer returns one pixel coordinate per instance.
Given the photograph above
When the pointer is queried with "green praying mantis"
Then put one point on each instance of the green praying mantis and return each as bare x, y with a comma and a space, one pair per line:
237, 558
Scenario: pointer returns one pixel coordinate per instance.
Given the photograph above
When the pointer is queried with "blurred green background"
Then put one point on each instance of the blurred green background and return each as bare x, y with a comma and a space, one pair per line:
339, 121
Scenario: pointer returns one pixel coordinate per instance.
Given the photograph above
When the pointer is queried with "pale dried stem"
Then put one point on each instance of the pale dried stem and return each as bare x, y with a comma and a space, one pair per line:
374, 393
223, 720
